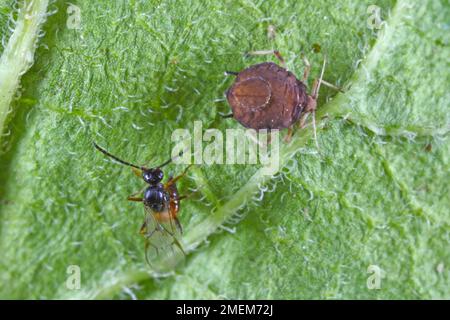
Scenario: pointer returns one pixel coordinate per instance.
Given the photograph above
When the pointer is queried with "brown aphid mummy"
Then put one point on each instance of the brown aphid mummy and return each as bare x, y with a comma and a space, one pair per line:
267, 96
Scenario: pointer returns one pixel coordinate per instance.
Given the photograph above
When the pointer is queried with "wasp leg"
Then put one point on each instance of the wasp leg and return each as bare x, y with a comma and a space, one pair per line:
174, 223
143, 228
147, 244
178, 224
276, 53
133, 196
189, 194
174, 180
137, 172
184, 197
135, 199
145, 252
172, 218
178, 244
175, 240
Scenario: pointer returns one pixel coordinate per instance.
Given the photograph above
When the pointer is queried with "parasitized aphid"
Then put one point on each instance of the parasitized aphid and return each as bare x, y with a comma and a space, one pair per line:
161, 228
267, 96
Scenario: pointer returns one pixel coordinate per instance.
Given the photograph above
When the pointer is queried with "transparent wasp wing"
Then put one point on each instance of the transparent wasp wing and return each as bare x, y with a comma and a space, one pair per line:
163, 249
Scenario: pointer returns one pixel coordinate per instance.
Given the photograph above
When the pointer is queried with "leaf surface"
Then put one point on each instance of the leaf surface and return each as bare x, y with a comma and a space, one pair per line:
376, 192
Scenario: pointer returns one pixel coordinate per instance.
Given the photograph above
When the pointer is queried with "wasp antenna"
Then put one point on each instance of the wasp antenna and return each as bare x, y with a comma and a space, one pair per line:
165, 163
116, 158
171, 159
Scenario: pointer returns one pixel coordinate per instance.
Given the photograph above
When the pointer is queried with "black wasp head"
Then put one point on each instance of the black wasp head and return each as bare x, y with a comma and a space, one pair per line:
152, 176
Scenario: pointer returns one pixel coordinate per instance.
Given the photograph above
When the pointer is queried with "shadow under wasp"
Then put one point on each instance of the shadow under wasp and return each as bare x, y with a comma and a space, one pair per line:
161, 228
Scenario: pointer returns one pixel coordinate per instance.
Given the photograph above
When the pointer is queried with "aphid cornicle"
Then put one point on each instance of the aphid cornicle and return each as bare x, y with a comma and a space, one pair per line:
161, 226
267, 96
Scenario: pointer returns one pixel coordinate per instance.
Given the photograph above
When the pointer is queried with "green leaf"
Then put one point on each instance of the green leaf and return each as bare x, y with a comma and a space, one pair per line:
375, 193
18, 54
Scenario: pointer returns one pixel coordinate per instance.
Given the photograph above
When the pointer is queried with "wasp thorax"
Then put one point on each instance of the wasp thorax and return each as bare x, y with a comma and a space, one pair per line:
156, 197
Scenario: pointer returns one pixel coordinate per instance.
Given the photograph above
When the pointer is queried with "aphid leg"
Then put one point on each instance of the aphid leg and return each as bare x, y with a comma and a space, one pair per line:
314, 129
231, 73
307, 71
228, 116
288, 137
280, 58
302, 122
332, 86
312, 108
316, 86
315, 96
307, 68
174, 180
267, 52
